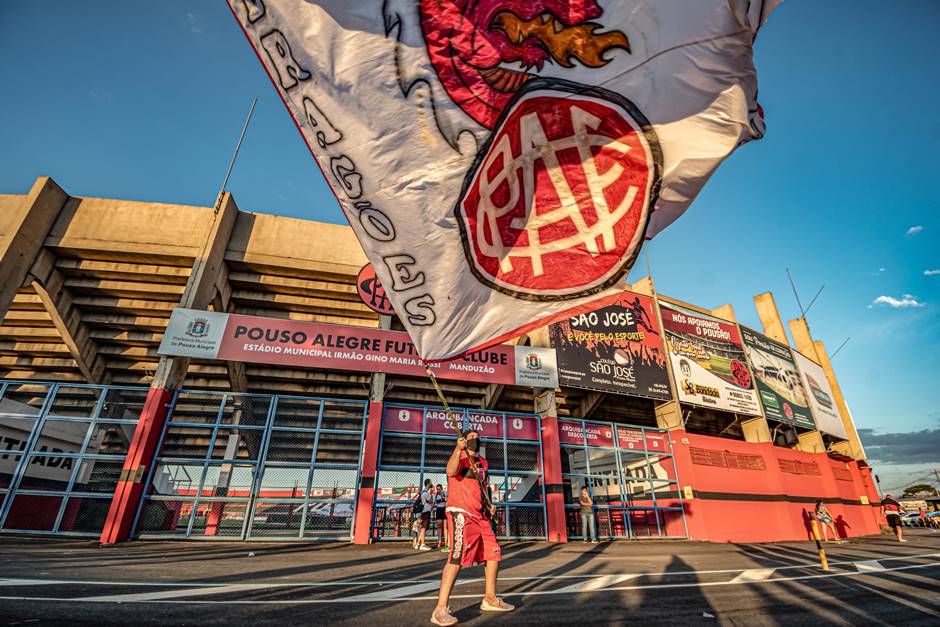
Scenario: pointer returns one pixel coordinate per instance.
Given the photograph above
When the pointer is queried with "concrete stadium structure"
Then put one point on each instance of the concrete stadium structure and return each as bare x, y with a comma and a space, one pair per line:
87, 287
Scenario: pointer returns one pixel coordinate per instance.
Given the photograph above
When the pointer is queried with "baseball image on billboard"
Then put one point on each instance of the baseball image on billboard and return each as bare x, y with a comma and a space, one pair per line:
778, 381
617, 348
708, 361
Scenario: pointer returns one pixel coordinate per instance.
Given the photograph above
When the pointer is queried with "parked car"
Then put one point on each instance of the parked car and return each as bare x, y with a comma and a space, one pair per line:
913, 520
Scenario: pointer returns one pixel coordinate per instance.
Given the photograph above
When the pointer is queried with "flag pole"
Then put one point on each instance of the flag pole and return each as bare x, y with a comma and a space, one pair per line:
218, 199
487, 502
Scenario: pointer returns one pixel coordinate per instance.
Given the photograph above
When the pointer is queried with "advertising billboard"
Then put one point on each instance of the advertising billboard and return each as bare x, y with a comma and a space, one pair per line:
820, 397
617, 348
778, 381
252, 339
708, 361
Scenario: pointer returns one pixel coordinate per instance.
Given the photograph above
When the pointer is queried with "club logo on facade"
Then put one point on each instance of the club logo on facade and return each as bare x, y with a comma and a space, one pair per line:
371, 291
198, 328
557, 202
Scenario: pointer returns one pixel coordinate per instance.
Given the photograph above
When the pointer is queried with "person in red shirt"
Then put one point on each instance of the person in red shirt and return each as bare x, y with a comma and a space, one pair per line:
892, 511
472, 540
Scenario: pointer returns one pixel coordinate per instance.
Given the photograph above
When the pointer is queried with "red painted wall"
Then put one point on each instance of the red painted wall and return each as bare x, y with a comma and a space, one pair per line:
758, 492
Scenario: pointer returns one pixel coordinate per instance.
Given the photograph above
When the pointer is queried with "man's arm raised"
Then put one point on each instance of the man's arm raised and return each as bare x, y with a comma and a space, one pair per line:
454, 462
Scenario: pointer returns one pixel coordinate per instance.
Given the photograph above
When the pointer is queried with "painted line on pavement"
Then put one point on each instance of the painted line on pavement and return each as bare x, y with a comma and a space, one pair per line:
754, 574
171, 594
869, 566
476, 596
597, 583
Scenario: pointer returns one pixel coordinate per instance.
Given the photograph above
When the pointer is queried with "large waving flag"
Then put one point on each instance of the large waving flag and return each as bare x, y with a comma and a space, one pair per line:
502, 161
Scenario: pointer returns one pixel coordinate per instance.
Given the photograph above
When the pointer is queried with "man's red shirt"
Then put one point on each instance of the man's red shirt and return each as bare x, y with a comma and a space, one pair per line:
463, 489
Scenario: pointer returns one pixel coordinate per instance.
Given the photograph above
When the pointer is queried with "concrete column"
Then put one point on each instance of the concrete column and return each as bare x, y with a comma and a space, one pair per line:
770, 317
725, 312
23, 235
756, 429
811, 442
555, 525
365, 503
169, 375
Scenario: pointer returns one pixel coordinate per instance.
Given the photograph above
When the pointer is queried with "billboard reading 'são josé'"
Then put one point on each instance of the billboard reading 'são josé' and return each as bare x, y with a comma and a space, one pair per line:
617, 348
708, 361
778, 381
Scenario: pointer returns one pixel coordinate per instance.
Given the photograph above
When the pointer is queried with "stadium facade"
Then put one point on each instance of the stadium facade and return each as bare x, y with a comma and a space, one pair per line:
102, 435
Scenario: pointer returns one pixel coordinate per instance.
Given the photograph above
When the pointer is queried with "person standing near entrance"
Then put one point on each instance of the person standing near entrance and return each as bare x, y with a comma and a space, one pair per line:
588, 530
440, 516
892, 511
427, 504
471, 537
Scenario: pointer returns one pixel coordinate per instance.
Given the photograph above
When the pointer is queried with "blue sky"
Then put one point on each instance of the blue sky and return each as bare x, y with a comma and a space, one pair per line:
144, 101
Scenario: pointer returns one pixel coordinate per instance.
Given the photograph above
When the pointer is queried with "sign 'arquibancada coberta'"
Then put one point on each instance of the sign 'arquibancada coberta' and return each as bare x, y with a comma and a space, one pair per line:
253, 339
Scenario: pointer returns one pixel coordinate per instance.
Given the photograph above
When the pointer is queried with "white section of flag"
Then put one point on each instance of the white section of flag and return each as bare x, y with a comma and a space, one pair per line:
490, 200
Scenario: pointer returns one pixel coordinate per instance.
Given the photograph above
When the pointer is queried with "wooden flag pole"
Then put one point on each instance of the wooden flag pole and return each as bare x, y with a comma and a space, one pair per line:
487, 503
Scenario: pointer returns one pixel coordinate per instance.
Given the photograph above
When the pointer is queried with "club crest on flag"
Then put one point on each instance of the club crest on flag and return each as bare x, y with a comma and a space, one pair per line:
557, 202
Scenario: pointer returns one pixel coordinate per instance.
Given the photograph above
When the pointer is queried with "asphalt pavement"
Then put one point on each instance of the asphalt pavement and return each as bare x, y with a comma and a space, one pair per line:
873, 580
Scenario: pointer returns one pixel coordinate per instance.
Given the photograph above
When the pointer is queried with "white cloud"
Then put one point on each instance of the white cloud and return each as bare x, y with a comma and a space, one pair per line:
197, 29
881, 269
931, 272
906, 300
914, 230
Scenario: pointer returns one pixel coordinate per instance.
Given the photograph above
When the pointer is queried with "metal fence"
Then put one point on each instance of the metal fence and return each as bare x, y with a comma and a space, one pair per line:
62, 448
253, 466
630, 474
416, 444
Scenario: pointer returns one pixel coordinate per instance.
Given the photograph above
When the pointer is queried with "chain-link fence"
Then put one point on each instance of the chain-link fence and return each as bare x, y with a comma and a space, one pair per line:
62, 448
252, 466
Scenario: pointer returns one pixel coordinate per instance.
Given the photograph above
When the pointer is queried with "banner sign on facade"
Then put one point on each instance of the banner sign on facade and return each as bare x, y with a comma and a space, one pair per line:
371, 291
638, 440
617, 348
778, 381
252, 339
488, 424
820, 397
708, 361
575, 432
502, 162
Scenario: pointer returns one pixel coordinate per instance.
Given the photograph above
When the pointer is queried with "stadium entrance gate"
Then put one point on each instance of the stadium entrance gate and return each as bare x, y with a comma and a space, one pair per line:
418, 440
62, 448
255, 466
630, 474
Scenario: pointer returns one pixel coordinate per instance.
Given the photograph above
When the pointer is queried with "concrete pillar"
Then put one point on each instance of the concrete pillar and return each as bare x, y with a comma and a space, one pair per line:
770, 317
756, 429
726, 312
669, 415
365, 502
811, 442
24, 234
169, 375
555, 525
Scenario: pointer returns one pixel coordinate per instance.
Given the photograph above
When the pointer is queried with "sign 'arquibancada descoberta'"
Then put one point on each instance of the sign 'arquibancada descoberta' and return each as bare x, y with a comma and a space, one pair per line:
253, 339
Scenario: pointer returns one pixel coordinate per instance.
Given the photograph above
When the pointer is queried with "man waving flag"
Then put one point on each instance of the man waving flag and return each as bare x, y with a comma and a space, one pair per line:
502, 161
